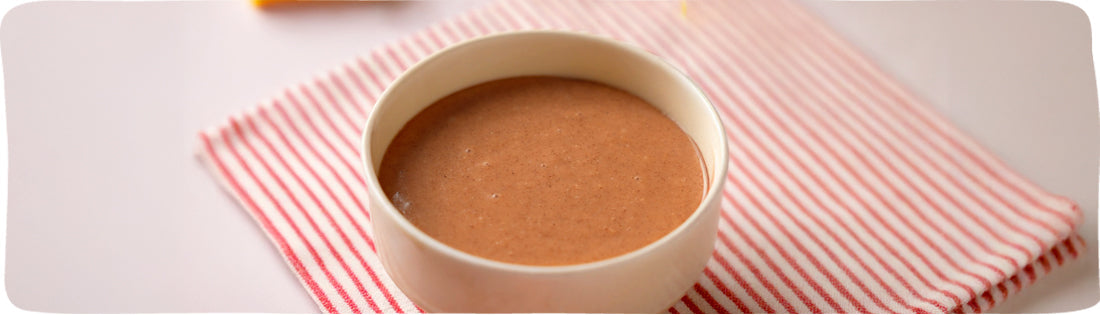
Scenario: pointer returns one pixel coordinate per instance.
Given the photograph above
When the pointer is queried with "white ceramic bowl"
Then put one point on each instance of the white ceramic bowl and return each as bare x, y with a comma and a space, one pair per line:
440, 278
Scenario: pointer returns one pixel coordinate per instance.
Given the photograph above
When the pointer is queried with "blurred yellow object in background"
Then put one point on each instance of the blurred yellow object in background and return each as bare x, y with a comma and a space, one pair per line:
261, 3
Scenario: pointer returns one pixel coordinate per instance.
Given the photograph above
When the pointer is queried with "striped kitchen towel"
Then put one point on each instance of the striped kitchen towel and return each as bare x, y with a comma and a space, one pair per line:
846, 193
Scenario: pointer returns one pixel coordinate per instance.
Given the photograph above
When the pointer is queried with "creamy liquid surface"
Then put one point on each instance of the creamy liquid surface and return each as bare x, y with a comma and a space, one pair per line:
543, 171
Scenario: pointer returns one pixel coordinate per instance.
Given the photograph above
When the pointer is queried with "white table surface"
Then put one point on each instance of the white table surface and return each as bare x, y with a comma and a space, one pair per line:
110, 212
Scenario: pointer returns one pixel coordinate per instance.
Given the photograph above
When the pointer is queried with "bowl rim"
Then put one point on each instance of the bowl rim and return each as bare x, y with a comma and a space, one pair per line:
714, 183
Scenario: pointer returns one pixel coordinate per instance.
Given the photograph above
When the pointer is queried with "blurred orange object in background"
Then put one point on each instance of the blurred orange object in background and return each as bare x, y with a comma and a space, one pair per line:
262, 3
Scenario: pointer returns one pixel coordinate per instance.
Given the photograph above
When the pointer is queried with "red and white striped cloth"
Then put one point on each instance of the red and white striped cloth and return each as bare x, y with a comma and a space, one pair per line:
845, 193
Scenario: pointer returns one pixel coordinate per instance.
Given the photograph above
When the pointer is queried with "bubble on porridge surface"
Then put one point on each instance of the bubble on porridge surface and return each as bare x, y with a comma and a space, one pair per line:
494, 195
400, 202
